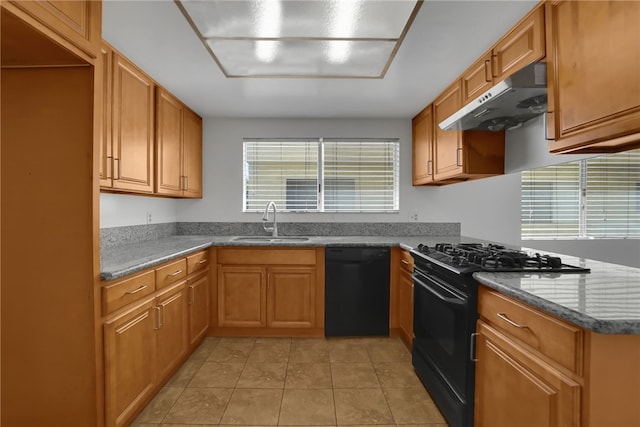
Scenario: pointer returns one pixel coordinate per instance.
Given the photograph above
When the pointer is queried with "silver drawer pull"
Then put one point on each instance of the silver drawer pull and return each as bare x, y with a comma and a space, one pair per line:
404, 261
504, 317
202, 261
174, 274
135, 291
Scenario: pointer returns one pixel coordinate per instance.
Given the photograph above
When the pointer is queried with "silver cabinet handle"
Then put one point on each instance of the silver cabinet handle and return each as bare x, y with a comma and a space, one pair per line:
504, 317
202, 261
404, 261
429, 167
135, 291
116, 175
174, 274
162, 313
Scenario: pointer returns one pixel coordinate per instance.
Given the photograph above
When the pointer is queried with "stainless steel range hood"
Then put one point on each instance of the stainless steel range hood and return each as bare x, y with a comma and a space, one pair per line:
506, 105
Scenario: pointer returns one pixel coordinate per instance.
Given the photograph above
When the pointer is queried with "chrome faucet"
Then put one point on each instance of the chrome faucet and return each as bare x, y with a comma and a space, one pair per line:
274, 227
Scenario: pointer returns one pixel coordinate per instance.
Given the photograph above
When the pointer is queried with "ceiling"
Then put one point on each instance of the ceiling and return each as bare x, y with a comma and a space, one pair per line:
445, 38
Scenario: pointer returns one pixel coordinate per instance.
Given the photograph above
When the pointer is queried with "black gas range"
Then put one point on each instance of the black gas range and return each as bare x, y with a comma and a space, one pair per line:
466, 258
445, 315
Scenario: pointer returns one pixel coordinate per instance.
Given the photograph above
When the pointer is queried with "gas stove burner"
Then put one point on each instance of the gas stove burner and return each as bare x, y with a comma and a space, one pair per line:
468, 257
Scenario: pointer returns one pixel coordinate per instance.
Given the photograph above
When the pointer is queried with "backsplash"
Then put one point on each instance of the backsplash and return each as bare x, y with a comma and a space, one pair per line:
116, 236
322, 228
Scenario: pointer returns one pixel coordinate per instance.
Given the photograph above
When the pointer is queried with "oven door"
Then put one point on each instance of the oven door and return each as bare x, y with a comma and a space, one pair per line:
442, 328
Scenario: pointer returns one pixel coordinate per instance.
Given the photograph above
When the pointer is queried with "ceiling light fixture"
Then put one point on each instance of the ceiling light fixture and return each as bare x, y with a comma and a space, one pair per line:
301, 38
344, 21
269, 21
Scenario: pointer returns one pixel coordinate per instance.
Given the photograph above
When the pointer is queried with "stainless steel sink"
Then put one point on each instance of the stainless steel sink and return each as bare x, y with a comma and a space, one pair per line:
270, 239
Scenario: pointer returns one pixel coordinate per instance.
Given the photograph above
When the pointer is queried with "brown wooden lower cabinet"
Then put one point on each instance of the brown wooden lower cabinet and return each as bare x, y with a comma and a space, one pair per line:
405, 298
171, 330
198, 307
515, 388
269, 291
149, 337
129, 347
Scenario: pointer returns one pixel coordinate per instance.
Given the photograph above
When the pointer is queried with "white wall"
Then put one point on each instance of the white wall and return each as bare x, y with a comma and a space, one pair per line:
487, 208
118, 210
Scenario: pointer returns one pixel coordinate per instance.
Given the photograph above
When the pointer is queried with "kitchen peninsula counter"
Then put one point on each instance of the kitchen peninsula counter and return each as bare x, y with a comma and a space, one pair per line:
606, 300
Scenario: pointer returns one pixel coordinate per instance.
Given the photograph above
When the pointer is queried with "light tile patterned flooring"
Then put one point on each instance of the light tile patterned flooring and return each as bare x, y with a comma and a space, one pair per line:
294, 382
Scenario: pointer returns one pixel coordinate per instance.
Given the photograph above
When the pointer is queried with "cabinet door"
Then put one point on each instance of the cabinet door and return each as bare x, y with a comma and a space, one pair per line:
448, 143
129, 348
515, 388
405, 296
523, 45
477, 79
168, 144
595, 64
192, 151
133, 123
105, 66
291, 297
198, 289
242, 293
171, 335
423, 147
78, 22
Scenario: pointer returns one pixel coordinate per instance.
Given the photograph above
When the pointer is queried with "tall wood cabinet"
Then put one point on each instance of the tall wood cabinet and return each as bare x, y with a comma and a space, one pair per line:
593, 68
268, 291
50, 291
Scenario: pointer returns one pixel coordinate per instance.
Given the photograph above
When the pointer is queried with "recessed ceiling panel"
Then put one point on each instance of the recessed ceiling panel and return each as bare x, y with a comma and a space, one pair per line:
302, 58
301, 38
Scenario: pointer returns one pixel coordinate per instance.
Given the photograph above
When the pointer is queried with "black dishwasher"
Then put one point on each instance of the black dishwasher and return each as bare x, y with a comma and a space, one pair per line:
356, 291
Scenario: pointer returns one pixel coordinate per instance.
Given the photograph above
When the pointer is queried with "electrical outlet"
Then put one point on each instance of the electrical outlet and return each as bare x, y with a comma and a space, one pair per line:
148, 217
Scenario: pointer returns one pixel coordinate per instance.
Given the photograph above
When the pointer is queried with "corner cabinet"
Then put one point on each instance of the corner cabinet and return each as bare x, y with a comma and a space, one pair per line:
269, 291
178, 148
593, 73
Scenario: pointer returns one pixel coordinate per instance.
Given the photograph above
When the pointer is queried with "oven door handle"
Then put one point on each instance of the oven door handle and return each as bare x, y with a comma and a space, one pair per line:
438, 295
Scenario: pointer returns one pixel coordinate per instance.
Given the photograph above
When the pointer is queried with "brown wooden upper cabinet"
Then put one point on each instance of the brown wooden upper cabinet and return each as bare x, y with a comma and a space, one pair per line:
524, 44
131, 109
74, 23
462, 155
423, 147
594, 76
178, 148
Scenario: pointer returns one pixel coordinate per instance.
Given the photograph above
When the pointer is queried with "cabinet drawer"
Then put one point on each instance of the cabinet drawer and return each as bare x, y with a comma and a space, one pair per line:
406, 261
117, 295
197, 262
171, 273
558, 340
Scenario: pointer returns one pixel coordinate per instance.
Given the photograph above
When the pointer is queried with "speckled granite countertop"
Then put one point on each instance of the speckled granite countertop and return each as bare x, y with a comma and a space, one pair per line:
606, 300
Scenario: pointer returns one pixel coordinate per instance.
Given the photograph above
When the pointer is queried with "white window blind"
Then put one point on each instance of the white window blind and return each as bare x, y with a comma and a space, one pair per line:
592, 198
322, 175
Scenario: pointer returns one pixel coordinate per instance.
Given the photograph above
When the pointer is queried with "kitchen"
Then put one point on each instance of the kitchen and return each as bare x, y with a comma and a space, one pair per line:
455, 203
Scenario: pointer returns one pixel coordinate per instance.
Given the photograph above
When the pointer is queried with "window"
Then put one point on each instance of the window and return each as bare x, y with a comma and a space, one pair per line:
321, 175
593, 198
